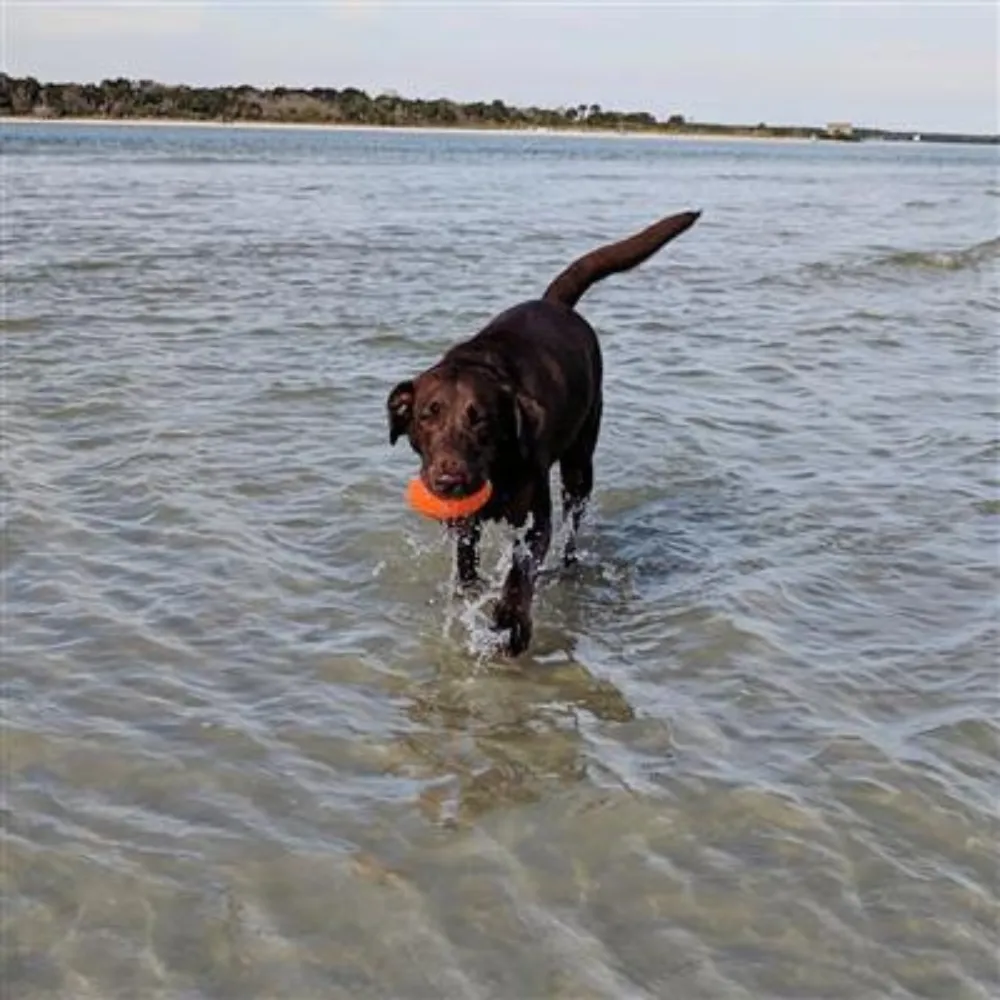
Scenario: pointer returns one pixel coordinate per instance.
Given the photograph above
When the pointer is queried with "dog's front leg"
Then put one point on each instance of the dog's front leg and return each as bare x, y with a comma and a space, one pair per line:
467, 552
514, 609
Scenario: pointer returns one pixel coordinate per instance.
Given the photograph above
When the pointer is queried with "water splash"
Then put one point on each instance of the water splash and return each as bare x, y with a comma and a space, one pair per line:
468, 613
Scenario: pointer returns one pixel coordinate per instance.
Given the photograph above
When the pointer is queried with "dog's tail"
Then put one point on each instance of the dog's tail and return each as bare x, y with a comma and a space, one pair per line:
570, 286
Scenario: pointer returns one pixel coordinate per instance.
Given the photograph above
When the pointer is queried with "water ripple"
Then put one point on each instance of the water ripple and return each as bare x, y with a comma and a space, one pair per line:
255, 744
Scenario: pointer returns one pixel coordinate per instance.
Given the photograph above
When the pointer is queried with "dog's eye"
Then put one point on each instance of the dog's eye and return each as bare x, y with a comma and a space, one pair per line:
430, 411
475, 417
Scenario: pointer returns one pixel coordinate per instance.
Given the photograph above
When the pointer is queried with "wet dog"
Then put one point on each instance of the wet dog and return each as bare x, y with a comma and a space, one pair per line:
506, 405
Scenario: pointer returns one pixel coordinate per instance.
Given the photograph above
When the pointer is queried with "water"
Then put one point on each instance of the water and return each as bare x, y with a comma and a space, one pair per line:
253, 747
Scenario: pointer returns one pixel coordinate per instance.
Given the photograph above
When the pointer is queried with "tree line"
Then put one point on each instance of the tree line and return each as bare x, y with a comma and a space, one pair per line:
122, 98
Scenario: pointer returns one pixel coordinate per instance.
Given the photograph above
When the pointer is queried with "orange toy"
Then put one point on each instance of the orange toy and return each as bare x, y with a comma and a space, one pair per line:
445, 508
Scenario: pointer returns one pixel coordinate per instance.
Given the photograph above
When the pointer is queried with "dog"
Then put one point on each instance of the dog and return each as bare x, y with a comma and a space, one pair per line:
504, 406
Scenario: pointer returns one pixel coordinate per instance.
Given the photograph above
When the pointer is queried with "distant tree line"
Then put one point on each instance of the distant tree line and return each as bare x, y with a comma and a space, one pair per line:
122, 99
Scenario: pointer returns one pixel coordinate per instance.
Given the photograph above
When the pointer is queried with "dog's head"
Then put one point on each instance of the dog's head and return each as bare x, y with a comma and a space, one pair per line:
460, 422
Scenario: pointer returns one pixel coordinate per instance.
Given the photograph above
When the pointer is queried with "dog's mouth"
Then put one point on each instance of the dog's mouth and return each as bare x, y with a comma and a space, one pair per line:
453, 486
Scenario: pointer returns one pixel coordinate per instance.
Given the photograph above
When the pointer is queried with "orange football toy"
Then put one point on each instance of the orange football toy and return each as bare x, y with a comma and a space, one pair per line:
446, 508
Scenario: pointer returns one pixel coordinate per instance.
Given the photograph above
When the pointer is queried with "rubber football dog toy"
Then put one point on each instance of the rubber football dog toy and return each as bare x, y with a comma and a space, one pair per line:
446, 508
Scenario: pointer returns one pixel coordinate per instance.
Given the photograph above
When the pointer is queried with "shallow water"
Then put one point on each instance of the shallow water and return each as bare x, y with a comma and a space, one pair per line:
254, 747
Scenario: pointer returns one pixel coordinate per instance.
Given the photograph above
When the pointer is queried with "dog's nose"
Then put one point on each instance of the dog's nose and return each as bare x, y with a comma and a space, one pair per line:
450, 484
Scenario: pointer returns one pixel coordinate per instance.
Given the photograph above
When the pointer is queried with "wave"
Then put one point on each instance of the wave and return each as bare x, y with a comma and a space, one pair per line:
946, 260
969, 258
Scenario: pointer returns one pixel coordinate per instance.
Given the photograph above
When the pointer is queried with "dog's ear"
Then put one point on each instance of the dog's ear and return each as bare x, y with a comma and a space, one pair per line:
400, 407
527, 420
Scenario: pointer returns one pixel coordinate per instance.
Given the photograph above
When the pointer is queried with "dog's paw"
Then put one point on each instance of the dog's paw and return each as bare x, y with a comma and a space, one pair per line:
517, 623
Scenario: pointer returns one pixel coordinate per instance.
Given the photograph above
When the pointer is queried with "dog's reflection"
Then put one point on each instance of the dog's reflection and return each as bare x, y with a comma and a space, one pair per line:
485, 735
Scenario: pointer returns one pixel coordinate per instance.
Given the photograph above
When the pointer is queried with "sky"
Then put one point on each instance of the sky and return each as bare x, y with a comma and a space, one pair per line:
905, 64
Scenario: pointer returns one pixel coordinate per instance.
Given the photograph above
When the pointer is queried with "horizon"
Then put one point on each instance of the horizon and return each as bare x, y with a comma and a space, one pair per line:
923, 67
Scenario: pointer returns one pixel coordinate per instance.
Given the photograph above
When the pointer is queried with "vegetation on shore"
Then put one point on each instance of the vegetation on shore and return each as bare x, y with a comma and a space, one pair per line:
125, 99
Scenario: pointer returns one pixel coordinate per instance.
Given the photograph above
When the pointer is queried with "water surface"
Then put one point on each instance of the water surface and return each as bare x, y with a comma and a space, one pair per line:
254, 747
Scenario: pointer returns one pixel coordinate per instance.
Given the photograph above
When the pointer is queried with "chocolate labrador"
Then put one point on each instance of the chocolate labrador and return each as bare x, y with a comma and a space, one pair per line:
506, 405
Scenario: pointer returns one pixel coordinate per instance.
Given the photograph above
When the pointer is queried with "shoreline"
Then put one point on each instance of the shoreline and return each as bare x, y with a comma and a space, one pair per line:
246, 125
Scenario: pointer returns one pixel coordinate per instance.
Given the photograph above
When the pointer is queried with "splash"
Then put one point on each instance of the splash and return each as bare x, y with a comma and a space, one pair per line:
468, 614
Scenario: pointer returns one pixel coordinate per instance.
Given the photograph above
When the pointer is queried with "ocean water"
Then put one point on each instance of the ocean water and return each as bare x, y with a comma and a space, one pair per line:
254, 747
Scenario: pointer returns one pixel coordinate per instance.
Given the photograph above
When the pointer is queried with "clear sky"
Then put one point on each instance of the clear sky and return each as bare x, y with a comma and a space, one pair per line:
903, 64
